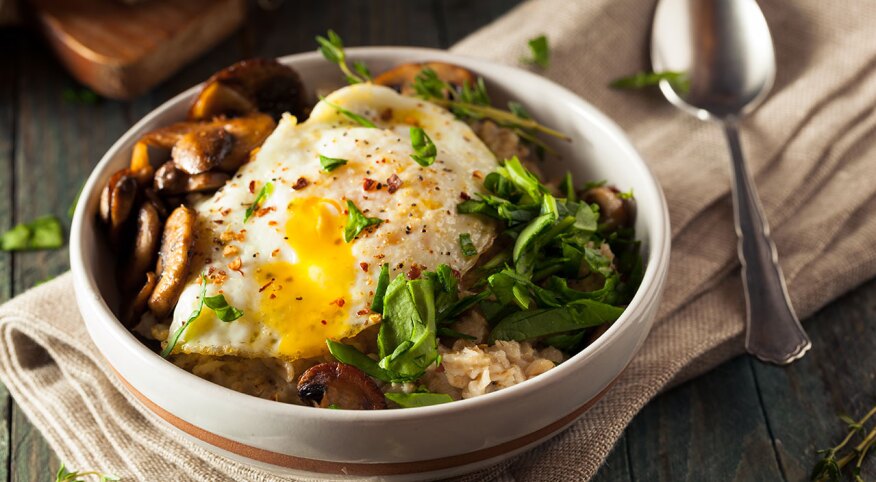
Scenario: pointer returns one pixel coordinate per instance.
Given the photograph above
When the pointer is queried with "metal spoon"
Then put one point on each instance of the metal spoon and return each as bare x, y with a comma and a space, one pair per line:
725, 53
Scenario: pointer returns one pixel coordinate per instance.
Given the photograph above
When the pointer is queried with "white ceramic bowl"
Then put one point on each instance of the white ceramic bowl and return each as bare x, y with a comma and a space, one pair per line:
415, 443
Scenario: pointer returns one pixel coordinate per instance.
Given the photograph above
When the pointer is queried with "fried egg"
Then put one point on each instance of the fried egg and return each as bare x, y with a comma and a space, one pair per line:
288, 267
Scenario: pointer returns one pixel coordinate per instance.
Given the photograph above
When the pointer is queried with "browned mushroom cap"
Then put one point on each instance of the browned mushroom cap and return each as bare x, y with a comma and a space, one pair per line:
117, 200
141, 167
168, 136
202, 148
146, 243
173, 260
206, 181
249, 132
169, 179
341, 386
261, 85
138, 306
401, 78
157, 202
614, 211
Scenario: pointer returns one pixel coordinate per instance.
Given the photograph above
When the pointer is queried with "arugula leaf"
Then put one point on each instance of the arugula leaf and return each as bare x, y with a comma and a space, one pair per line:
460, 306
540, 52
349, 115
586, 219
468, 248
447, 332
566, 341
351, 356
43, 232
407, 339
380, 291
524, 180
640, 80
224, 311
356, 222
528, 325
418, 399
172, 341
329, 164
332, 48
263, 193
424, 149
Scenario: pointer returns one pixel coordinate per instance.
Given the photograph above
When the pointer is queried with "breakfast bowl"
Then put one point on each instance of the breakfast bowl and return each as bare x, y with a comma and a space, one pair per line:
411, 444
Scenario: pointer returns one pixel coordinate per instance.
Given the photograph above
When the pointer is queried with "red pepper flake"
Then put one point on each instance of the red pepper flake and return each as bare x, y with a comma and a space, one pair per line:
415, 271
386, 115
300, 184
464, 196
477, 175
273, 296
368, 184
261, 212
364, 267
340, 302
363, 312
266, 285
252, 187
394, 182
272, 223
323, 322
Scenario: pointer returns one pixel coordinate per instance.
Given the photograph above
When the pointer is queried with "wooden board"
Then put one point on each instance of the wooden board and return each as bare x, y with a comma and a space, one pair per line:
122, 50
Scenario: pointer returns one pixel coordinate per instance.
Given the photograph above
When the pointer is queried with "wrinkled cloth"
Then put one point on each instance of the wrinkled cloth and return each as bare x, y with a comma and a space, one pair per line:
811, 146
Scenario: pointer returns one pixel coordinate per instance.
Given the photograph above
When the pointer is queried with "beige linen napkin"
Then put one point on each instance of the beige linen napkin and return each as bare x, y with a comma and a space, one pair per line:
813, 149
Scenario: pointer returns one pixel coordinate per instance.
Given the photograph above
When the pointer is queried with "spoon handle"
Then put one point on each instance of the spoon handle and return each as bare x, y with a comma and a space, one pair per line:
773, 332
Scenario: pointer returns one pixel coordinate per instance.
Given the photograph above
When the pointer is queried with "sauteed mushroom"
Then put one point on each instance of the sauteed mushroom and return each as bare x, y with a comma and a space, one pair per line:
503, 142
261, 85
401, 78
138, 306
173, 260
249, 132
339, 385
146, 244
169, 179
614, 211
202, 148
117, 200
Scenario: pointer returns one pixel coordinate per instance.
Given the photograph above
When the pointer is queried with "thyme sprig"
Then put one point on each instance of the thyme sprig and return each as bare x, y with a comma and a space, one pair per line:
830, 468
66, 475
332, 48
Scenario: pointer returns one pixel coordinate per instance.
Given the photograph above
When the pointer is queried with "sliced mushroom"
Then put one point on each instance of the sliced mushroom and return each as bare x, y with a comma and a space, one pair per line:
174, 258
206, 181
141, 166
157, 202
117, 200
146, 244
138, 306
249, 132
503, 142
202, 148
168, 136
170, 180
401, 78
614, 211
261, 85
339, 385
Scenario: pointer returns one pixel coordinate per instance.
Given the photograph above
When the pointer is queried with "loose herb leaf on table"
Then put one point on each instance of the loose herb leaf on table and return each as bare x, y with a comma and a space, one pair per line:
43, 232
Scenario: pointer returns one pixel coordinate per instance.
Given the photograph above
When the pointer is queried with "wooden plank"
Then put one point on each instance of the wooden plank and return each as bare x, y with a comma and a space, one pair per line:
710, 429
8, 91
462, 17
837, 376
57, 144
616, 467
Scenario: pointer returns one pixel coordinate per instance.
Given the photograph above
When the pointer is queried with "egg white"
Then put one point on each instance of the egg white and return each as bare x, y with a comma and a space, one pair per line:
421, 226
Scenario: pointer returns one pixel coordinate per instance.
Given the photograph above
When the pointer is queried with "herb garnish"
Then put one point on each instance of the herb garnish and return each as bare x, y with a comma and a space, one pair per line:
264, 192
332, 48
468, 248
640, 80
424, 149
224, 311
356, 222
540, 52
350, 115
830, 468
380, 290
43, 232
329, 164
418, 399
64, 475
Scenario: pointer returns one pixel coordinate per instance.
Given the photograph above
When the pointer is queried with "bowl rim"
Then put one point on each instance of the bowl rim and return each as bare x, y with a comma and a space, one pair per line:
649, 289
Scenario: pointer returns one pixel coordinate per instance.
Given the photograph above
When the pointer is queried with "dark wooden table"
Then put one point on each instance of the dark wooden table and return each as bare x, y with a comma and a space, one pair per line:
743, 421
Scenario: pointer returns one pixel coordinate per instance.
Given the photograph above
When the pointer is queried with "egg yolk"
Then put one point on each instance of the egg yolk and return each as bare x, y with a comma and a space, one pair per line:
308, 301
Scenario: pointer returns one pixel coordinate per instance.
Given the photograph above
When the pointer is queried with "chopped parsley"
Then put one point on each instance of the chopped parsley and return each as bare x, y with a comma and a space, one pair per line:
541, 54
468, 248
357, 222
43, 232
424, 149
264, 192
329, 164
